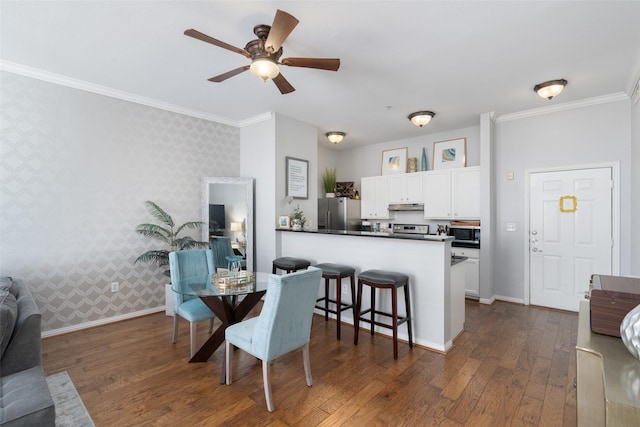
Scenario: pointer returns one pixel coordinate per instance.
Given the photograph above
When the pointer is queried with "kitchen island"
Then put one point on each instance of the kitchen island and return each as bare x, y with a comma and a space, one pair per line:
437, 287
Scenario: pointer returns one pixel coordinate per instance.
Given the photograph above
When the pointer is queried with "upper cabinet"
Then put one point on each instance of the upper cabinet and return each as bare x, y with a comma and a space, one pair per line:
452, 193
374, 198
405, 188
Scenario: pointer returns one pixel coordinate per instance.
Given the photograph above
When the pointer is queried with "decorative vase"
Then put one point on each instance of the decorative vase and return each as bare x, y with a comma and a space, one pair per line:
423, 165
630, 331
330, 195
412, 164
296, 225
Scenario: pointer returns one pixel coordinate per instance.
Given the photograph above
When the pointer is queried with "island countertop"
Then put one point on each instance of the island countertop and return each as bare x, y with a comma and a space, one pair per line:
436, 279
382, 234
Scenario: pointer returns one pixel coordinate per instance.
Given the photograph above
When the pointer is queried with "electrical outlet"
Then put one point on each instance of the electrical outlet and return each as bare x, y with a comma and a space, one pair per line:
115, 286
345, 289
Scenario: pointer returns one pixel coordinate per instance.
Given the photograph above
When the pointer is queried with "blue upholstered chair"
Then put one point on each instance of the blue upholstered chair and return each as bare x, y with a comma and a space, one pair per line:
190, 268
284, 324
223, 255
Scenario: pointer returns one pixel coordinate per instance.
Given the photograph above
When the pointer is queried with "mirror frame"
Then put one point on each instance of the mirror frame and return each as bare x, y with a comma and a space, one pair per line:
248, 184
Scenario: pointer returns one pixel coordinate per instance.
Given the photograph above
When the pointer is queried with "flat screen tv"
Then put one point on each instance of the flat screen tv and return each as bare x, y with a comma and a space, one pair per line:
216, 218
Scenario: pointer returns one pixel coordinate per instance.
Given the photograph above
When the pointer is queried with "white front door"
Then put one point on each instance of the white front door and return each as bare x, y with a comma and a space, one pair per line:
570, 234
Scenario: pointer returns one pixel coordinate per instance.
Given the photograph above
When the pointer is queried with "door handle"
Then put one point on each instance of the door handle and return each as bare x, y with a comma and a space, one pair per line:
536, 250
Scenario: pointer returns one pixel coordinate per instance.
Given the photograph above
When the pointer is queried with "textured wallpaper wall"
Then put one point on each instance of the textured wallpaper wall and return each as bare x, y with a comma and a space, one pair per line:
75, 170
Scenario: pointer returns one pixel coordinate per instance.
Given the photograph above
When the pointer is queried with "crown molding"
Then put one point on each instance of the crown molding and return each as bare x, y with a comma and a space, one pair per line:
110, 92
615, 97
255, 119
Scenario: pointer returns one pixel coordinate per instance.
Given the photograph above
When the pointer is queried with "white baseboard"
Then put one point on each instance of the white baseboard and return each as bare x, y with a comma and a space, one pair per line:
487, 301
101, 322
509, 299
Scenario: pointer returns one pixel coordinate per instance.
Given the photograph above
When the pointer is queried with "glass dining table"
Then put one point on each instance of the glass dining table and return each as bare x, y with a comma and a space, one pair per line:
230, 297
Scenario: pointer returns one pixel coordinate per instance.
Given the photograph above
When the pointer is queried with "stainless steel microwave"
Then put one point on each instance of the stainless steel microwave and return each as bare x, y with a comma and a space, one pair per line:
466, 237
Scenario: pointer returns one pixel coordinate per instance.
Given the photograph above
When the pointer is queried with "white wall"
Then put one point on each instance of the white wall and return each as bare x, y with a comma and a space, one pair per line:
352, 164
635, 186
76, 169
258, 154
298, 140
585, 134
588, 135
264, 146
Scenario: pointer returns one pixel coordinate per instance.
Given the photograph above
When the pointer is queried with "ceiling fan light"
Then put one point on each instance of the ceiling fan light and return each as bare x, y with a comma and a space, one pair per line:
335, 137
421, 118
264, 68
551, 88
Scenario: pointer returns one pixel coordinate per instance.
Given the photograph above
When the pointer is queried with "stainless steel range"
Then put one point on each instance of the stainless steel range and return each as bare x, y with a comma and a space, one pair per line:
411, 228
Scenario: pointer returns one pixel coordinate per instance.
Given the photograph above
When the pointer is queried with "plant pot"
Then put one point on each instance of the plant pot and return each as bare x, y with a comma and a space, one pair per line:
329, 195
168, 300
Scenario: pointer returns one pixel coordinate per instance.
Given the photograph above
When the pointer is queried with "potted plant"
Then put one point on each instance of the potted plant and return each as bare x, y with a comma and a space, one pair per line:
167, 233
329, 182
298, 219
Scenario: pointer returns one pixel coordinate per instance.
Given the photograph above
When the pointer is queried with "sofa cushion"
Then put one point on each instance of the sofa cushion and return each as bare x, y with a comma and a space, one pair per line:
7, 283
8, 316
26, 400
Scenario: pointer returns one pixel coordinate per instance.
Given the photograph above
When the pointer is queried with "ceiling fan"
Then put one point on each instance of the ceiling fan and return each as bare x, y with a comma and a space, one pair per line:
265, 52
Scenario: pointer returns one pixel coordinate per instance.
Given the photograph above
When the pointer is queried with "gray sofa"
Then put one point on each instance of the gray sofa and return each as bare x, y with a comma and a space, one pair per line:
24, 395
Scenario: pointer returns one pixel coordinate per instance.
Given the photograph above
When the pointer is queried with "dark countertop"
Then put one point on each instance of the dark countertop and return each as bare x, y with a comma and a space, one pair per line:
423, 237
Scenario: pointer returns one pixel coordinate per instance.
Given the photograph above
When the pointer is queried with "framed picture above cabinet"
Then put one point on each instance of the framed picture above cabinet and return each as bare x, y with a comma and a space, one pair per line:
394, 161
450, 154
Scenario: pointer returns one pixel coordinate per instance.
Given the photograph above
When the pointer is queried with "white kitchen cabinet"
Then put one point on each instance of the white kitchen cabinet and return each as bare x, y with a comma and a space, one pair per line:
374, 197
436, 186
472, 270
405, 188
466, 193
452, 193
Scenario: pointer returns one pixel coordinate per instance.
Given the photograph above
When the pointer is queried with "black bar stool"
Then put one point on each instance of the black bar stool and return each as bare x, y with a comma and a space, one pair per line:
337, 272
381, 279
290, 264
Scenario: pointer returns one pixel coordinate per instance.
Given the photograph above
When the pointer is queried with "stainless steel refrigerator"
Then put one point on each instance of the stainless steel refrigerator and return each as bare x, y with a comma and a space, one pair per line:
339, 213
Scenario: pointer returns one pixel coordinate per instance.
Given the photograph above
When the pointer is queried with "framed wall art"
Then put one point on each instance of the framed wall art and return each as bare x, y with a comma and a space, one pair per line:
394, 161
297, 178
283, 222
450, 154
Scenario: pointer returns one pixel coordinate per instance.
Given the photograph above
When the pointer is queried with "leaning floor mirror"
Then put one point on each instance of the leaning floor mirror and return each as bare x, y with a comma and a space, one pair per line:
227, 208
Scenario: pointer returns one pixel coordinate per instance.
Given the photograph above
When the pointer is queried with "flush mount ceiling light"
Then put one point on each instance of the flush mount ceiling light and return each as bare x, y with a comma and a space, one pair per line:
264, 68
421, 118
335, 137
550, 89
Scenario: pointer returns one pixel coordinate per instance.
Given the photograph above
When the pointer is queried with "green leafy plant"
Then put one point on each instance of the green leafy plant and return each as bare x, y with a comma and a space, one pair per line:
299, 215
329, 180
167, 233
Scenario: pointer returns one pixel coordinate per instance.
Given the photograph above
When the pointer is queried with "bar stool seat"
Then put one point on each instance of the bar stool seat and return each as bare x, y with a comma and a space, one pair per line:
336, 272
290, 264
382, 279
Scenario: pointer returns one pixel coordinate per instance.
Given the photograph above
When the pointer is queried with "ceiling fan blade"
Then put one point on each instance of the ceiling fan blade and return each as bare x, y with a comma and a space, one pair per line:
208, 39
283, 24
224, 76
283, 85
331, 64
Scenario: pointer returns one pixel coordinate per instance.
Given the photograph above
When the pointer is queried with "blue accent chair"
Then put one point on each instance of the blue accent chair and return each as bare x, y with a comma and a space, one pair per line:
223, 255
189, 267
284, 324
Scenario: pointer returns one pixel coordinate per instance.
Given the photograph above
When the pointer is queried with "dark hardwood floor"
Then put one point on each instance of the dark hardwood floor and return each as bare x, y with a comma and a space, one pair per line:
513, 365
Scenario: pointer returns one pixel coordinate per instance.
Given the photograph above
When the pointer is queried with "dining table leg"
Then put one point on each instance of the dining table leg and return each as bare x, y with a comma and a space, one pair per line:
229, 311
